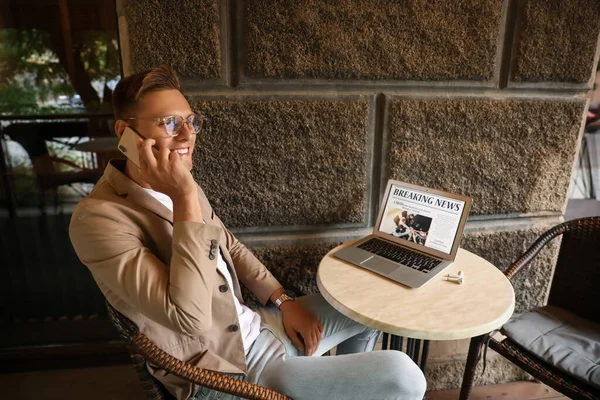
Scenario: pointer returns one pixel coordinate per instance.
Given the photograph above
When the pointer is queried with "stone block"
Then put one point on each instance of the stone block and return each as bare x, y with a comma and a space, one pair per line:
502, 248
556, 41
511, 156
184, 34
448, 350
284, 162
368, 39
294, 266
443, 376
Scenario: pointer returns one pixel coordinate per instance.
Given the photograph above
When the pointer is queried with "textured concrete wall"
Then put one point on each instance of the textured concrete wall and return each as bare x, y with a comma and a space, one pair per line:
447, 364
501, 248
293, 265
312, 106
448, 375
511, 156
182, 33
556, 40
285, 162
371, 39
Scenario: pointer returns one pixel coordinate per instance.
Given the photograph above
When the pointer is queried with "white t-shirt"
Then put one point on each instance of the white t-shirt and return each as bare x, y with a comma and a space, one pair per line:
249, 320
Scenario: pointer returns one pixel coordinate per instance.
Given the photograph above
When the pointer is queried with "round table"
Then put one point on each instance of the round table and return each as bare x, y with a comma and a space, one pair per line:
439, 310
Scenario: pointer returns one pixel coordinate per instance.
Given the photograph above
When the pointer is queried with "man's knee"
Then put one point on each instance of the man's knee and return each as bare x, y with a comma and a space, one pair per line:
404, 378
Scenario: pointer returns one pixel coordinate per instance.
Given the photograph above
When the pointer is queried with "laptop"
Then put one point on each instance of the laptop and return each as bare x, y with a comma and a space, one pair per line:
416, 236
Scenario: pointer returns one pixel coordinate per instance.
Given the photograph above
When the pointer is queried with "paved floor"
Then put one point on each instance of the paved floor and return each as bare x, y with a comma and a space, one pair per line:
120, 383
507, 391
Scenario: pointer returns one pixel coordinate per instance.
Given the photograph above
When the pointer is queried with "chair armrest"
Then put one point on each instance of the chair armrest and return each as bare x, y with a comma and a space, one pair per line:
537, 246
200, 376
588, 224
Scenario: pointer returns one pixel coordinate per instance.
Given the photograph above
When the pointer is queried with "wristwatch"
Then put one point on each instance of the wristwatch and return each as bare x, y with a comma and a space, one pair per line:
285, 296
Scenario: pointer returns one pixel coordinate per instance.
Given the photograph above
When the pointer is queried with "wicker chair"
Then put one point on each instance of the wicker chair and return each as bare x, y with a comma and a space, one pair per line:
141, 349
573, 288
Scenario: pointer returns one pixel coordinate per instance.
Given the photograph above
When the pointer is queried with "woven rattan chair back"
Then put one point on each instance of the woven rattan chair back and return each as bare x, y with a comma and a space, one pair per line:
127, 330
142, 349
573, 287
577, 274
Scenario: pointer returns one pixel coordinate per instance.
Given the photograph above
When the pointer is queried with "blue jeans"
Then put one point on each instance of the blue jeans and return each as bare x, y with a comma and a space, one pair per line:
356, 372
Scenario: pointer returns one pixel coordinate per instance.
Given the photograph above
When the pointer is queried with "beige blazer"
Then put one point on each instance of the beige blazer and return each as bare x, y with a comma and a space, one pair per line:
162, 275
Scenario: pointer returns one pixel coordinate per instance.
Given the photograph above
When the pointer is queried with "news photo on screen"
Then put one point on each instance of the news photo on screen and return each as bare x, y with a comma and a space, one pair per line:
422, 218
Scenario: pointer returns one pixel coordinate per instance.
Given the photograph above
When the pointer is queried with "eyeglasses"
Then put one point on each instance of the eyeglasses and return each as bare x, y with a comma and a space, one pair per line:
173, 124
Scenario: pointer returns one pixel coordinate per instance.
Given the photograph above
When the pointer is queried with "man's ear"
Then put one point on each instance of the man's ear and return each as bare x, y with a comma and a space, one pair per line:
120, 126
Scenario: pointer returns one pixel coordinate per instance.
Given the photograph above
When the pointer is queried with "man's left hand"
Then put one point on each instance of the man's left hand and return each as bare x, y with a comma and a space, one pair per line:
298, 320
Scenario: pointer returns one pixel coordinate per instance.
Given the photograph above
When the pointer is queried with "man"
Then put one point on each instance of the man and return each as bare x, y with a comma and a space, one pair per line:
164, 259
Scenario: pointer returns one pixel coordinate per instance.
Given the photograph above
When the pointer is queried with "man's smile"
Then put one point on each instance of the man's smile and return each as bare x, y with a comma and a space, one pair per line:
183, 151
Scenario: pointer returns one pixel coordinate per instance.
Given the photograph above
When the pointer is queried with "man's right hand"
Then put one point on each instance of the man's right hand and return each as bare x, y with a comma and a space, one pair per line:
167, 174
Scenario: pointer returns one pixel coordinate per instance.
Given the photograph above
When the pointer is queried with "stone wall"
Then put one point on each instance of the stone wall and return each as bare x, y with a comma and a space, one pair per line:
312, 106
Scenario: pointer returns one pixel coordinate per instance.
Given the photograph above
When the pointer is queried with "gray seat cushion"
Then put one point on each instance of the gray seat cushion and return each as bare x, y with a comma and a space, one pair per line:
561, 338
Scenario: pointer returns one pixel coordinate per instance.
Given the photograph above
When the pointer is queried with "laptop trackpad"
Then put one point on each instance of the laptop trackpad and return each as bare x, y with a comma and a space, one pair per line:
380, 266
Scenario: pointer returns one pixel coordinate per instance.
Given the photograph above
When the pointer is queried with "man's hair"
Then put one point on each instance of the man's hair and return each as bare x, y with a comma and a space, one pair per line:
130, 89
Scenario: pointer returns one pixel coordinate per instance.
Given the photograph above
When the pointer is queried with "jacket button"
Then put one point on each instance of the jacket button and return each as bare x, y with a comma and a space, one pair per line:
211, 256
223, 288
234, 328
213, 242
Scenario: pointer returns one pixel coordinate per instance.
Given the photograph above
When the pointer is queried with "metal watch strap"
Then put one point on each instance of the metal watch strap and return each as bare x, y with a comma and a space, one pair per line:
281, 299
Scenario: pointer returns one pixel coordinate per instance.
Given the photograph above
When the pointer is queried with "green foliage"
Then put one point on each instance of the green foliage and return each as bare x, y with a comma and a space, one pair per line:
15, 99
18, 99
100, 55
31, 71
35, 79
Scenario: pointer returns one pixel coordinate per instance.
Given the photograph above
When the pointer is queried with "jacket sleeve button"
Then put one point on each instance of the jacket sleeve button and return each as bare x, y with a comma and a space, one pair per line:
234, 328
223, 288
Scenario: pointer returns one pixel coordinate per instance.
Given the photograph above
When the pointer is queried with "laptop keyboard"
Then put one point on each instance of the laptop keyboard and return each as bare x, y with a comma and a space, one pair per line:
411, 259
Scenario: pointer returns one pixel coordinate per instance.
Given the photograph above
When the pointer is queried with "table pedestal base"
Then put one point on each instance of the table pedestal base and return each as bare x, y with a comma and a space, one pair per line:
413, 348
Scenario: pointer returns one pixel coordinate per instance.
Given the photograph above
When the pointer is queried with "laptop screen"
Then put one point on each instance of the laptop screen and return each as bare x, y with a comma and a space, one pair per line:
423, 218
